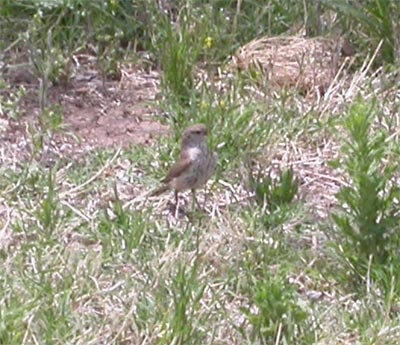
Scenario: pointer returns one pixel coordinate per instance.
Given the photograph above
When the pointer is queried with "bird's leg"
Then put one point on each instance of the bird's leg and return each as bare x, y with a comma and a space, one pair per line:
194, 200
205, 199
176, 204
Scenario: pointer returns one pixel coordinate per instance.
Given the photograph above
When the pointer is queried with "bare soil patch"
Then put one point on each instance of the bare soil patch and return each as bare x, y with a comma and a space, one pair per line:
114, 114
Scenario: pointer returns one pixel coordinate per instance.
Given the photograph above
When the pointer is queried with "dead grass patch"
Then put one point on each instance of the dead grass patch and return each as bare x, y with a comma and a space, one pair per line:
306, 64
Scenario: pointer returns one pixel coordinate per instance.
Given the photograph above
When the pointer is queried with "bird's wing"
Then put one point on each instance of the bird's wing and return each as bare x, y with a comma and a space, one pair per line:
177, 169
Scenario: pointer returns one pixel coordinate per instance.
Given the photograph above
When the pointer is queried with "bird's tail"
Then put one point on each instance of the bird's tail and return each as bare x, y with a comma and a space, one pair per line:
160, 190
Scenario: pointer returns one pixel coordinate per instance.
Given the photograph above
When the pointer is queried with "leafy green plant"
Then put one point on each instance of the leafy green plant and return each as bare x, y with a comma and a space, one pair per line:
277, 192
273, 311
275, 196
369, 213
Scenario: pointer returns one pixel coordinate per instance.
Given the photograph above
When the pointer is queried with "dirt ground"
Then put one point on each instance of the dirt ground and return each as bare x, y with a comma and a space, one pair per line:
116, 114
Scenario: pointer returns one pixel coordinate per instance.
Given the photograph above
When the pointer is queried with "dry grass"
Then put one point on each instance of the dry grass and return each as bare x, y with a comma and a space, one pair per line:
307, 64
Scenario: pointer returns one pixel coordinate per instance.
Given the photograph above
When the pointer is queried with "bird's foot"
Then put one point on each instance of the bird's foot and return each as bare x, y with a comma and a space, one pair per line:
176, 210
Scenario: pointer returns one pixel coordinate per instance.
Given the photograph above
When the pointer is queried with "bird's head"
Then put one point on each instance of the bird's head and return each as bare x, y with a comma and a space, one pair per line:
194, 136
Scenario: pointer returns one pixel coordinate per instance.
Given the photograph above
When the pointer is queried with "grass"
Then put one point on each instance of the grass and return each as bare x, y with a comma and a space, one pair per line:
296, 242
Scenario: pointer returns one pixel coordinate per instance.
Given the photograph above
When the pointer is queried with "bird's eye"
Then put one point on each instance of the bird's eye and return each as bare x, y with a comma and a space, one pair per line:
198, 132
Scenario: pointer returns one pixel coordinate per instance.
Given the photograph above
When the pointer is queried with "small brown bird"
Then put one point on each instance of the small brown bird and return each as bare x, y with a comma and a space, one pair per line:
195, 166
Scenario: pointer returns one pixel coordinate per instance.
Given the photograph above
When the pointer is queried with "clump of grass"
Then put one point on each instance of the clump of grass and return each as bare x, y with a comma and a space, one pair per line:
124, 231
181, 325
179, 55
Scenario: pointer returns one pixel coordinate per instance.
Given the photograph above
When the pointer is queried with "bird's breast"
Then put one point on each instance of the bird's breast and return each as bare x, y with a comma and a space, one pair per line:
193, 153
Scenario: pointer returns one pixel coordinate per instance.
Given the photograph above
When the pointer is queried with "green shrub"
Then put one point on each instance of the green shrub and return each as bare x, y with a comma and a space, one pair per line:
369, 217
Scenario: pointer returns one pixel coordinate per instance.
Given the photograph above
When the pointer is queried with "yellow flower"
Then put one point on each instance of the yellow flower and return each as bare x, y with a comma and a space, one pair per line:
208, 42
204, 105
